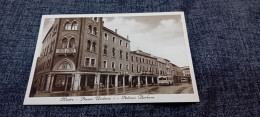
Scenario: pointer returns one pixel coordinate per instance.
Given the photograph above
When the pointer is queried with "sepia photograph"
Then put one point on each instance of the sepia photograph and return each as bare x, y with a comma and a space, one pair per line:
101, 56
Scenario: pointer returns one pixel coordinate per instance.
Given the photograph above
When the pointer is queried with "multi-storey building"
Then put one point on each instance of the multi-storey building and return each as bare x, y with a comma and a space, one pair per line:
79, 53
143, 68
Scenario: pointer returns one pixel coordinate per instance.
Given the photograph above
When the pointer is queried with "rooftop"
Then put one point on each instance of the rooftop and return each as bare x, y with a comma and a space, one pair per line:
115, 33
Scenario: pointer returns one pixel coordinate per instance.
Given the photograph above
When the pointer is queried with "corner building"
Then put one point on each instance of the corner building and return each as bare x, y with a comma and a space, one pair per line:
80, 53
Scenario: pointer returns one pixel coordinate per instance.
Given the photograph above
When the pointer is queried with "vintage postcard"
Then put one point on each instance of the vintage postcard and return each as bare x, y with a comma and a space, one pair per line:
112, 58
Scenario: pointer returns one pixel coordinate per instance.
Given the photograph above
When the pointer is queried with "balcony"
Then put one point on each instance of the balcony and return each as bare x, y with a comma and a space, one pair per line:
147, 73
66, 51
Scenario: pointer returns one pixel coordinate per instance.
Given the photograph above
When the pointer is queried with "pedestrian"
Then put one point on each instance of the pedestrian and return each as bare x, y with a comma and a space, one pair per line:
134, 83
83, 87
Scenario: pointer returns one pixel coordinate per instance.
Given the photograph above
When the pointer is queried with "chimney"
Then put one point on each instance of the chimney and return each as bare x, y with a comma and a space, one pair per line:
127, 37
116, 30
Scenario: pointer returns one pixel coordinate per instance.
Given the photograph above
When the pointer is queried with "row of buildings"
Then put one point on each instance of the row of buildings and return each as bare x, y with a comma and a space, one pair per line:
82, 53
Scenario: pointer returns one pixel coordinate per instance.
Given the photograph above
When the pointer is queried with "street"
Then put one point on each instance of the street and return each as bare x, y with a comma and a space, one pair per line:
182, 88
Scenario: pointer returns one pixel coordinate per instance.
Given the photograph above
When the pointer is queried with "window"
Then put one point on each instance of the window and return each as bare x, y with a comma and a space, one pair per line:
126, 45
87, 61
72, 43
121, 52
74, 26
126, 56
137, 68
132, 57
88, 45
143, 60
67, 26
121, 66
106, 36
104, 64
140, 59
127, 67
114, 52
55, 29
64, 43
113, 65
132, 67
136, 58
43, 65
52, 48
95, 31
94, 46
93, 62
96, 19
48, 62
90, 29
105, 50
120, 42
47, 49
114, 39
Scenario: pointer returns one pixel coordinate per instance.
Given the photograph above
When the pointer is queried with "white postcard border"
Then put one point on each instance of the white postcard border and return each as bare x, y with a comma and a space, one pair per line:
142, 98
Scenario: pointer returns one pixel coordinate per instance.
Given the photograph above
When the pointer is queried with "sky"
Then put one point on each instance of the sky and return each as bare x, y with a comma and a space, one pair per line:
160, 36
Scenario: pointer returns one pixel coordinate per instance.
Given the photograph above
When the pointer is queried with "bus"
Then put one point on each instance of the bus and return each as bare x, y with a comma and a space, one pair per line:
164, 80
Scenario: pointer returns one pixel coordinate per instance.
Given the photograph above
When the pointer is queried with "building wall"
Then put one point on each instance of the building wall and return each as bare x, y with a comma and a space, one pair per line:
44, 61
64, 34
109, 43
86, 50
142, 63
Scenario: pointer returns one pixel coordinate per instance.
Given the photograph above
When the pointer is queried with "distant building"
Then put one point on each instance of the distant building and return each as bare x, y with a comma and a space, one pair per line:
178, 73
186, 73
79, 53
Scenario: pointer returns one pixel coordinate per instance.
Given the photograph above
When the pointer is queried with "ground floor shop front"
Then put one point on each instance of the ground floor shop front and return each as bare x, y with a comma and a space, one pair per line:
83, 81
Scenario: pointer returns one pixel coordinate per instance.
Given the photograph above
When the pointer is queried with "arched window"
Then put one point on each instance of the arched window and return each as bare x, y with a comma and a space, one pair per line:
105, 50
67, 26
121, 52
65, 43
74, 26
126, 56
114, 52
72, 43
95, 31
94, 46
88, 45
90, 29
96, 19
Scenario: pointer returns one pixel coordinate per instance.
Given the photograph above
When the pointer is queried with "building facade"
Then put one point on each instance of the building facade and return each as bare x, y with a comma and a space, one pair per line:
186, 73
80, 53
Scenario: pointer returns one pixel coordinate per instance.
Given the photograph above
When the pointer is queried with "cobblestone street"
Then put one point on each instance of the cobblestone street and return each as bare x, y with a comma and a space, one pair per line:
183, 88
